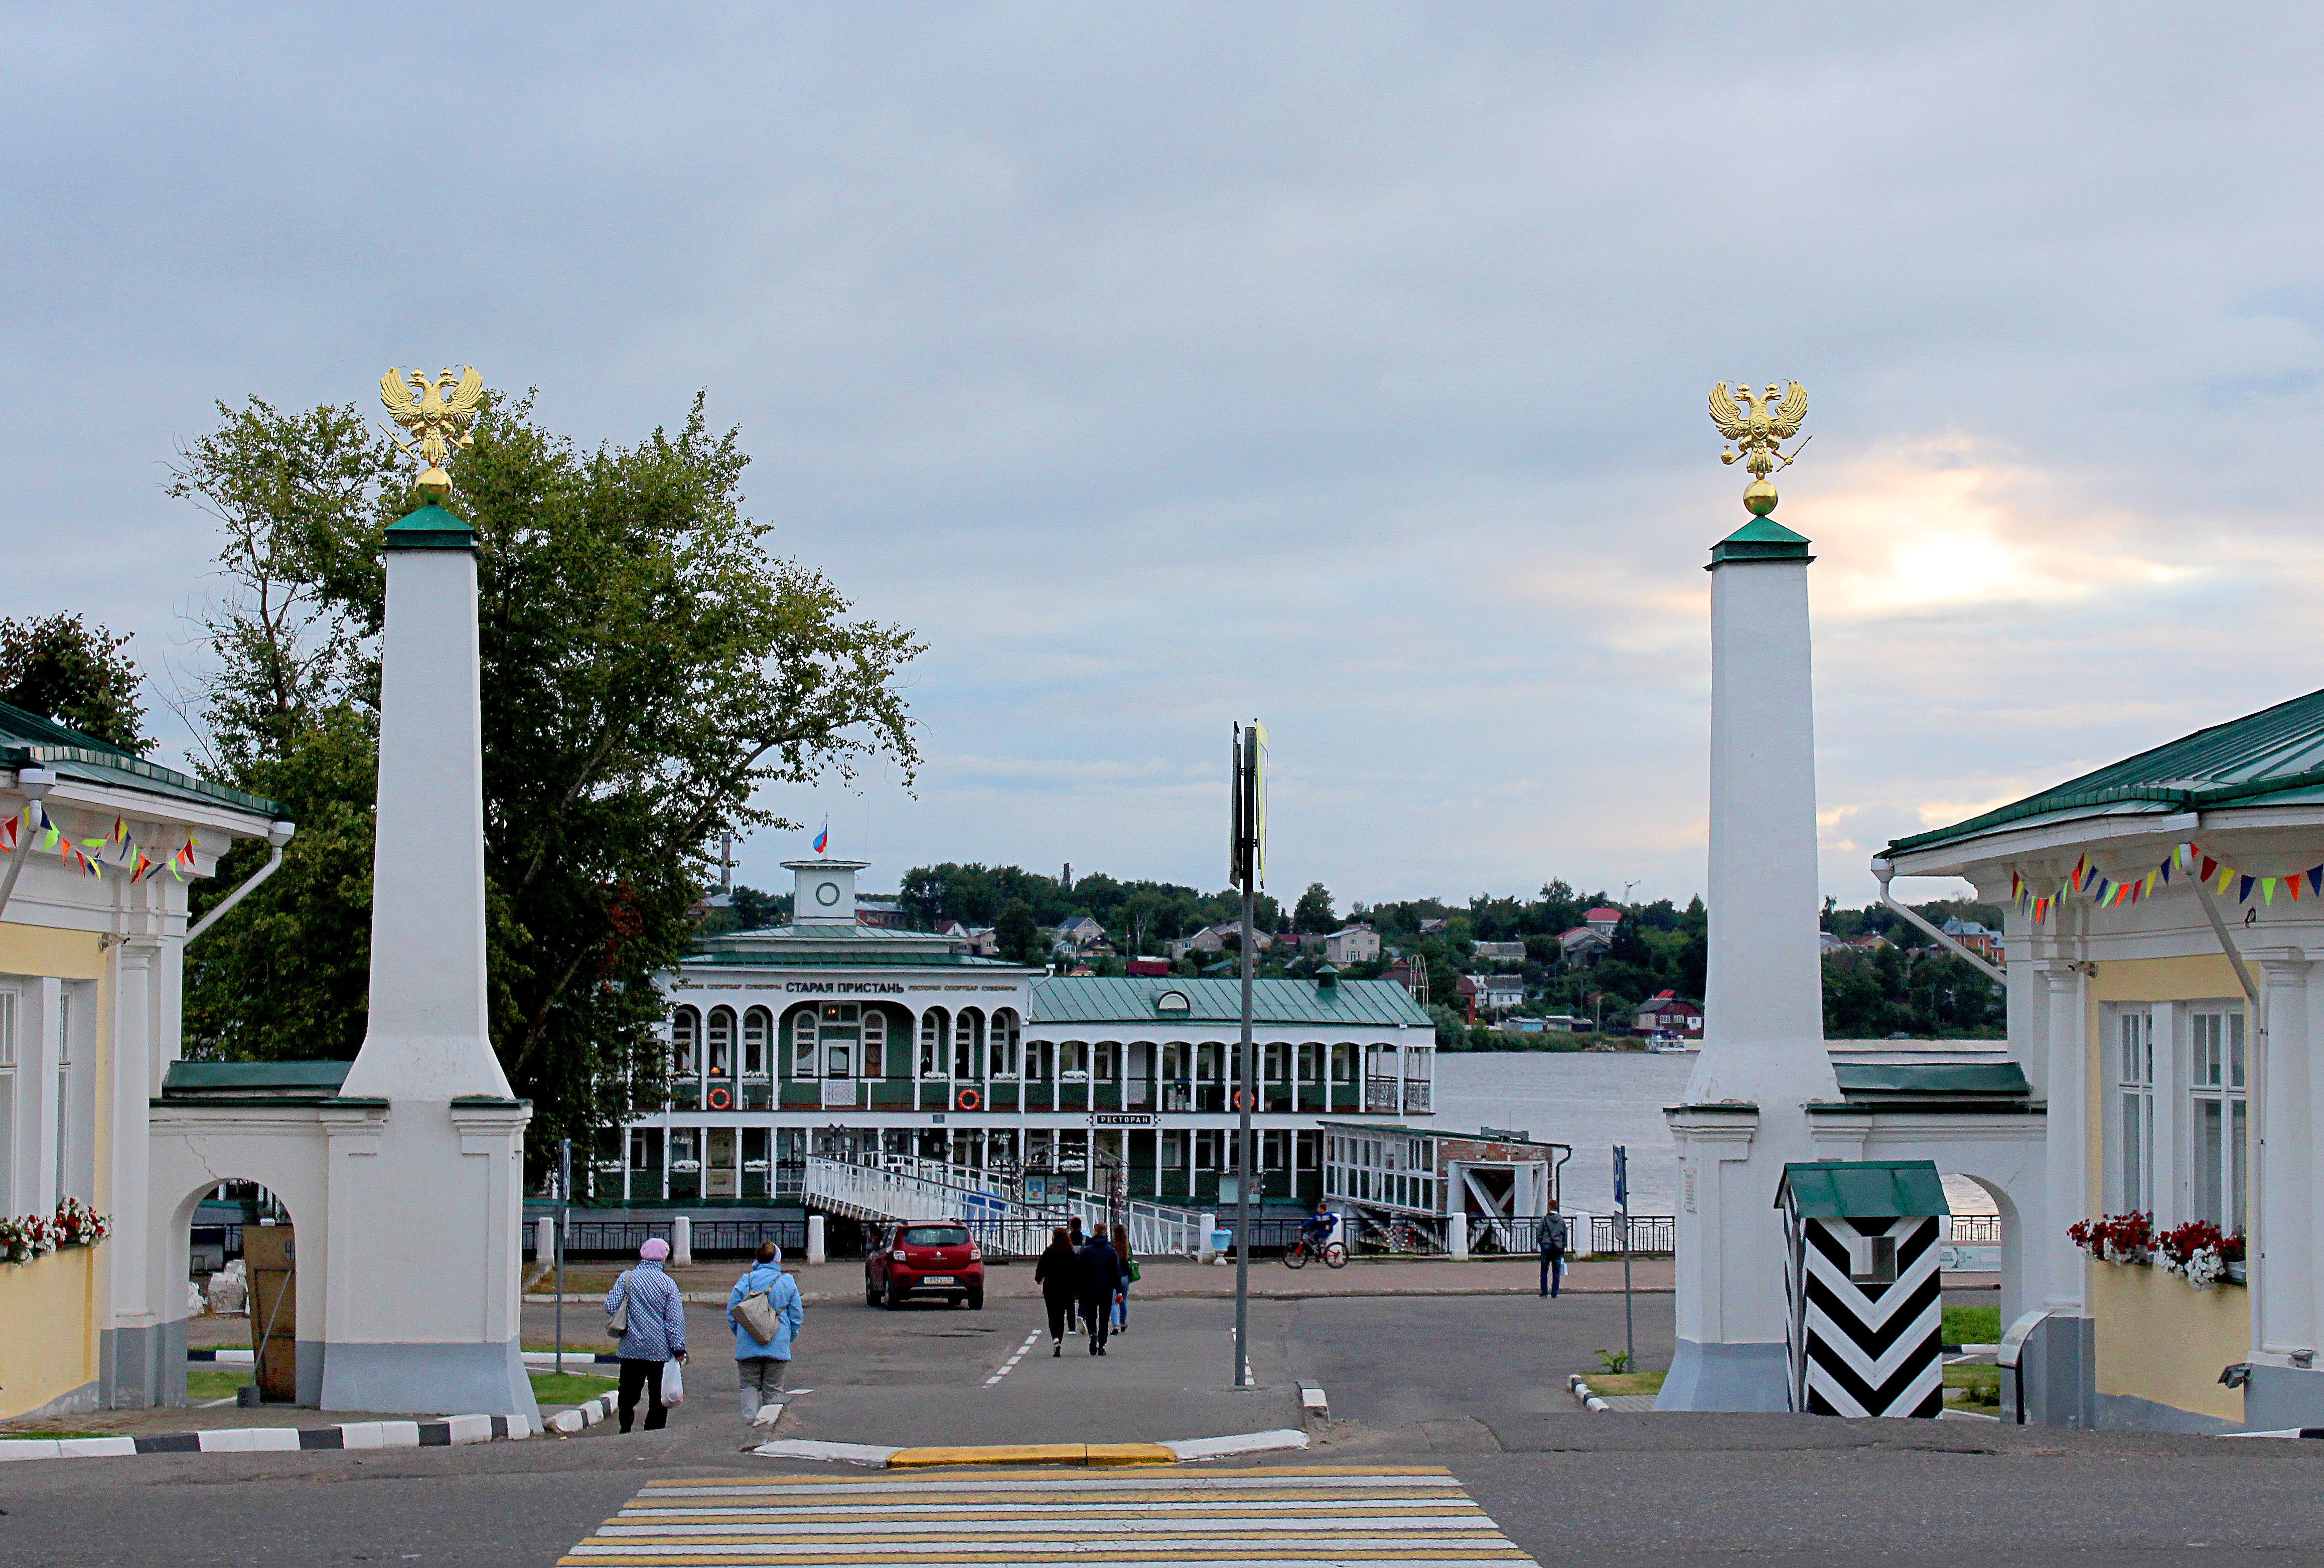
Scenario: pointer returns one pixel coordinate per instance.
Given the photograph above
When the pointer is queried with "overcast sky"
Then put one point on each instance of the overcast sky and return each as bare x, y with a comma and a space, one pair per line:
1343, 364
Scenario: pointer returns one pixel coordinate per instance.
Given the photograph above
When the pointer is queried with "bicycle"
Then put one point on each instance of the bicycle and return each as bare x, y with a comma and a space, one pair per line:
1300, 1251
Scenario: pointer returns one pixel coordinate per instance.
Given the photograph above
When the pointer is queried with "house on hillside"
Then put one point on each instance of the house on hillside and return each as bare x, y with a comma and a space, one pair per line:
1668, 1013
1497, 994
1974, 935
1501, 952
1602, 920
1351, 945
1079, 935
1583, 945
886, 914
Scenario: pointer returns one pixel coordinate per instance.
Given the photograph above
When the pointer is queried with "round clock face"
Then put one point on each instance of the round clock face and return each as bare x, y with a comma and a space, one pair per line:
826, 893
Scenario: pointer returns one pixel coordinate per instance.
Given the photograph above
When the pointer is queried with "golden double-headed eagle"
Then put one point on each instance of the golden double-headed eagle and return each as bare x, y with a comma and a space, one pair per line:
1758, 435
1761, 431
438, 423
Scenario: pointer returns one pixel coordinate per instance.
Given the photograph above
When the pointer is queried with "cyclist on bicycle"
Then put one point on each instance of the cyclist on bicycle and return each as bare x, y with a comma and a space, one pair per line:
1316, 1228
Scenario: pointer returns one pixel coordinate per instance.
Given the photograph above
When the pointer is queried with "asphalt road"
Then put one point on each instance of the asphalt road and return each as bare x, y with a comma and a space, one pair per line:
1475, 1384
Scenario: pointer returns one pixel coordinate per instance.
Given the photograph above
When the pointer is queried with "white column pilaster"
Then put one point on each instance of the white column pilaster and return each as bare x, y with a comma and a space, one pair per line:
2067, 1166
2282, 1166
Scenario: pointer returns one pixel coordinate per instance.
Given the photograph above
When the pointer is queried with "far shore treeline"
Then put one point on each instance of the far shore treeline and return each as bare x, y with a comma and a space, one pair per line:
1902, 985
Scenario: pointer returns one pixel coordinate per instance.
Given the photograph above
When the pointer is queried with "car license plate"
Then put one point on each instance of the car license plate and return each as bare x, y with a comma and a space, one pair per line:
938, 1279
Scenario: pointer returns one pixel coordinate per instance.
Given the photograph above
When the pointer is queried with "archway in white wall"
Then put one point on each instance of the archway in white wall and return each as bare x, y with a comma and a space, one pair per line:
192, 1155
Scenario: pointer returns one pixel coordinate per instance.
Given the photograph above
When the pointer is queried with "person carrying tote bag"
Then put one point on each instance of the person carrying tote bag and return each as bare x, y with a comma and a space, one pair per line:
764, 1306
644, 1303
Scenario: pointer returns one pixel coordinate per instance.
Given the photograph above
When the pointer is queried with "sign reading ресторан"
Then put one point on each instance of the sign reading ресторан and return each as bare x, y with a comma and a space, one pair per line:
1122, 1118
844, 987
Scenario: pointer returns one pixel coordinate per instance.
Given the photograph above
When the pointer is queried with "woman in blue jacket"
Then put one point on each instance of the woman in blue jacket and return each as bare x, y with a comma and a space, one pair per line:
763, 1363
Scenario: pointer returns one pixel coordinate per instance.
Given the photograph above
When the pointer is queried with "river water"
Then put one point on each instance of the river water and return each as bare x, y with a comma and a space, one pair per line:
1593, 1100
1590, 1100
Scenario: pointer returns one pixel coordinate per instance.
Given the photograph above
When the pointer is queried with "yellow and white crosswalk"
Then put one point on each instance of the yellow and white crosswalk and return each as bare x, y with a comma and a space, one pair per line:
1414, 1517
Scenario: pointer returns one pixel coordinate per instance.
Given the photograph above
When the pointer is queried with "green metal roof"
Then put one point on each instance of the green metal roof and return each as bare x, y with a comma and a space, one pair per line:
1869, 1189
430, 528
237, 1079
1950, 1079
2274, 757
1130, 998
808, 958
26, 739
1762, 539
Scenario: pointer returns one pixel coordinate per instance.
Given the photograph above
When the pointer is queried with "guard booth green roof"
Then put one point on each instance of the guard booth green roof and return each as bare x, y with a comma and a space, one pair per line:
1866, 1189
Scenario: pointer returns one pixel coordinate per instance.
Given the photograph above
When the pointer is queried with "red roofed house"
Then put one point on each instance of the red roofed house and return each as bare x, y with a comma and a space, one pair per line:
1666, 1013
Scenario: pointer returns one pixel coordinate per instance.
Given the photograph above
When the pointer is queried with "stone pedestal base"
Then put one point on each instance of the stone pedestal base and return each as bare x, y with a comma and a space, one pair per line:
1725, 1377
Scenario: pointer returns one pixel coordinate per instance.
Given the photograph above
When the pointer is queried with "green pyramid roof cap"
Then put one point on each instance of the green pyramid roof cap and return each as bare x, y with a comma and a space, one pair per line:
430, 528
1762, 539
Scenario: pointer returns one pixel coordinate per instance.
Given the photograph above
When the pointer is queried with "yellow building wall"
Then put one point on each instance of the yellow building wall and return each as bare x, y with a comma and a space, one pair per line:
50, 1307
2158, 1337
48, 1347
2161, 1340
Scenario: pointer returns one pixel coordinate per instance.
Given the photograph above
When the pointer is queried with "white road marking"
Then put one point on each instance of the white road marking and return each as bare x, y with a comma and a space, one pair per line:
1010, 1365
1379, 1518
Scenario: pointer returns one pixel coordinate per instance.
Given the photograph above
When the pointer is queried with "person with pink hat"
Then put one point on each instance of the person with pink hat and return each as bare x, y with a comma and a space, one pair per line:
644, 1311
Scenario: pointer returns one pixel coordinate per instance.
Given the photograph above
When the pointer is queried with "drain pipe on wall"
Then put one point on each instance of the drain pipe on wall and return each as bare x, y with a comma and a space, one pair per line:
1884, 871
2253, 1250
278, 834
36, 783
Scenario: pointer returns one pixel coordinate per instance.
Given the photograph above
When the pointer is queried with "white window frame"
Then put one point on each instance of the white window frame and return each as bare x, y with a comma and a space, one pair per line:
2131, 1126
807, 1035
2219, 1075
10, 1010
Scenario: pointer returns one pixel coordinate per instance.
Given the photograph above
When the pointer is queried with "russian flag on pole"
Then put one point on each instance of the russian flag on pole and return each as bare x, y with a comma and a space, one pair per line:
824, 837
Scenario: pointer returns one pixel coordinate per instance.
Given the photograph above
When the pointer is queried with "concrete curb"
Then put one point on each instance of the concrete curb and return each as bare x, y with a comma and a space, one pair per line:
452, 1431
1098, 1455
585, 1414
576, 1360
2278, 1432
1580, 1390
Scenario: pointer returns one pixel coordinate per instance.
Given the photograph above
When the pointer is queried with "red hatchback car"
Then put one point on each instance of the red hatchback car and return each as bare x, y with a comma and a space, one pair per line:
925, 1258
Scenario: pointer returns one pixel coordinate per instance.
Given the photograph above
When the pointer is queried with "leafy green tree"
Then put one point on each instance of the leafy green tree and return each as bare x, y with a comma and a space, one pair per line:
68, 672
647, 665
1016, 933
1313, 912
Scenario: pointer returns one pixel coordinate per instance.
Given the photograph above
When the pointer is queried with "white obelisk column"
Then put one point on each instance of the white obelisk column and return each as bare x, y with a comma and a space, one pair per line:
426, 1146
1763, 1056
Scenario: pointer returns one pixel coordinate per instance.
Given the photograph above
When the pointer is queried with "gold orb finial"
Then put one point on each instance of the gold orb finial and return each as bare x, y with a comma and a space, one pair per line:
438, 422
1759, 434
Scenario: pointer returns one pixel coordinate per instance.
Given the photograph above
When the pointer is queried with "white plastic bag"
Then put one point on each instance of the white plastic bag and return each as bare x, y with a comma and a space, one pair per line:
673, 1383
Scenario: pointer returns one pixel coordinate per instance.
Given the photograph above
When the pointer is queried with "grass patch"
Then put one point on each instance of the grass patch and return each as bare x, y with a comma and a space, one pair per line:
1604, 1383
1972, 1325
572, 1347
1980, 1386
219, 1384
52, 1431
571, 1388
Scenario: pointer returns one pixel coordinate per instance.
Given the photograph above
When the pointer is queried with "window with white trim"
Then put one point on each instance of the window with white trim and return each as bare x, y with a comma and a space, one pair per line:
935, 1043
804, 1036
2221, 1130
8, 1204
755, 1029
2134, 1107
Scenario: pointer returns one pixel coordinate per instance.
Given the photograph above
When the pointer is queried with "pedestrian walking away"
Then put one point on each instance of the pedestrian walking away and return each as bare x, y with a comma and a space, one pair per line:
1129, 1277
644, 1310
1058, 1273
1073, 1235
1101, 1276
765, 1309
1553, 1251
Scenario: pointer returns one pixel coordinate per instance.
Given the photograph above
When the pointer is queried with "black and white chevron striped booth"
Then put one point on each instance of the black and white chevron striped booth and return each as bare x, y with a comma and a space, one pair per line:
1865, 1326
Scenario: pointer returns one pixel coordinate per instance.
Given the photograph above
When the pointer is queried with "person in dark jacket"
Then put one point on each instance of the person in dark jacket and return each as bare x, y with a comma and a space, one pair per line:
1059, 1275
1073, 1239
1553, 1251
1101, 1276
